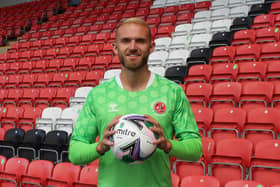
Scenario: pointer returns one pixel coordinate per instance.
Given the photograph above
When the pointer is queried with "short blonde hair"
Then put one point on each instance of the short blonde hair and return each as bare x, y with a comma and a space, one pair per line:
134, 20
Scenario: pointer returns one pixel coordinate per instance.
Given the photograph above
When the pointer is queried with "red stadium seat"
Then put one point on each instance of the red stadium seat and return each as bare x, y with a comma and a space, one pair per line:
225, 94
88, 176
244, 37
14, 169
200, 181
265, 165
270, 51
273, 71
231, 159
85, 63
64, 174
28, 97
198, 94
28, 120
12, 97
45, 98
222, 54
199, 73
223, 72
267, 34
256, 94
227, 123
276, 95
251, 71
249, 52
242, 183
62, 97
37, 173
266, 20
261, 124
69, 64
54, 65
204, 118
75, 79
93, 77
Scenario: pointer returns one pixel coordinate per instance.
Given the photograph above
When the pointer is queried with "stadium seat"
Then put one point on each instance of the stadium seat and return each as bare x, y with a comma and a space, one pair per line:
273, 70
67, 119
224, 72
64, 174
15, 167
28, 120
198, 94
201, 16
204, 118
45, 97
242, 183
11, 117
55, 142
88, 176
239, 11
12, 139
225, 94
247, 52
202, 27
265, 166
38, 171
175, 179
93, 78
199, 56
80, 96
69, 64
176, 73
157, 58
220, 25
199, 73
182, 29
241, 23
267, 34
231, 159
200, 181
261, 124
256, 94
179, 42
200, 41
62, 97
28, 97
162, 43
177, 57
48, 118
220, 39
241, 37
265, 20
31, 143
227, 123
251, 71
270, 51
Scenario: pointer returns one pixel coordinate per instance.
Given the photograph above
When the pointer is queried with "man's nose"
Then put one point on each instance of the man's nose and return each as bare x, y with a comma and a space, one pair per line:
132, 45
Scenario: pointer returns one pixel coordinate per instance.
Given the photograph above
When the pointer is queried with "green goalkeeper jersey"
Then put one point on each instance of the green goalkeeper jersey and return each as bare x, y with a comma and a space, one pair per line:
162, 99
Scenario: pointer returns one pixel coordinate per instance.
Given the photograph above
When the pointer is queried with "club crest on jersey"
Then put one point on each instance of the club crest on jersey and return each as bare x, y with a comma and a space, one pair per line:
160, 107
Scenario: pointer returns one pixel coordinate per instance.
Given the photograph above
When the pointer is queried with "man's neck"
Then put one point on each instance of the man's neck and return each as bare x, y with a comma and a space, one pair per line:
135, 80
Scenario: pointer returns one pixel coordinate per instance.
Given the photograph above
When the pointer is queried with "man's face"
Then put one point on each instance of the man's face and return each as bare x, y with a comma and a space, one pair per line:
133, 46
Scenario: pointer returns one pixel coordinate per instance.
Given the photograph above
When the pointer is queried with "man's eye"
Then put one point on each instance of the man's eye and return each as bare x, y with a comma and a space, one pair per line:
141, 41
125, 40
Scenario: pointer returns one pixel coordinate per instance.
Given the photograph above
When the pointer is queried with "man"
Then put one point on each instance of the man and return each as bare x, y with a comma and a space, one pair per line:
136, 90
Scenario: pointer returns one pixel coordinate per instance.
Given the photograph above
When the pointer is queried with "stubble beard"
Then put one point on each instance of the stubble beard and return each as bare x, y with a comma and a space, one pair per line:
133, 67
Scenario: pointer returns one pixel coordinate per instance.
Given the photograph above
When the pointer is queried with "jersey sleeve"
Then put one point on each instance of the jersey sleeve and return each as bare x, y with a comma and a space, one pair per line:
188, 144
82, 148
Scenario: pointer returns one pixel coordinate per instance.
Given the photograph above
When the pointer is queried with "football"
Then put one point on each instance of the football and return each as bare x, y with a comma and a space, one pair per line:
133, 140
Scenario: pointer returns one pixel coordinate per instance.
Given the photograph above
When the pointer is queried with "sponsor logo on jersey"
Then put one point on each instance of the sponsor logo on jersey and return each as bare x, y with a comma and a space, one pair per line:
160, 107
113, 108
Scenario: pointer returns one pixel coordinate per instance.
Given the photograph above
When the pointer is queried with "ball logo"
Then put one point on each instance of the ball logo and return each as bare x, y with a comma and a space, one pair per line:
160, 107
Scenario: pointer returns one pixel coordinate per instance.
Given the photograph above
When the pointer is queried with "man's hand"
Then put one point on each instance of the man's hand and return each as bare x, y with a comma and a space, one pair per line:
104, 145
162, 142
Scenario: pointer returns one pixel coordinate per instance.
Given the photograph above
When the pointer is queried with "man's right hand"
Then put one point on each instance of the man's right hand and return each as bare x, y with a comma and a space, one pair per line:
104, 145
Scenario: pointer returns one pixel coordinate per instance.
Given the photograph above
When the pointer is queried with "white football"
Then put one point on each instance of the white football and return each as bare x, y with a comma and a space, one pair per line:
133, 140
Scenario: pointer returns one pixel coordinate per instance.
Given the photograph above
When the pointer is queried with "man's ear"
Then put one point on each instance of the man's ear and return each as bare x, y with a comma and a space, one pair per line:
115, 48
152, 46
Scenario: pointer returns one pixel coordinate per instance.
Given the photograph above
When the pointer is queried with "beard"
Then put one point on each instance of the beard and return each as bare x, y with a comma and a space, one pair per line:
133, 66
